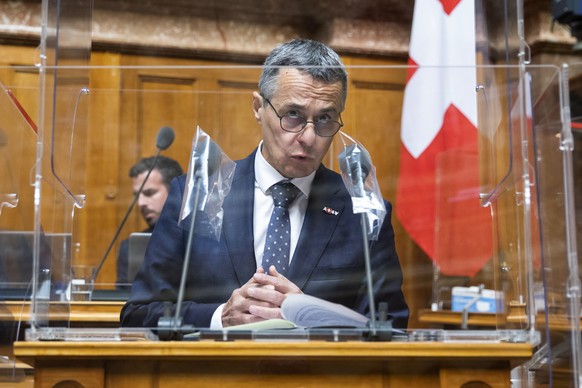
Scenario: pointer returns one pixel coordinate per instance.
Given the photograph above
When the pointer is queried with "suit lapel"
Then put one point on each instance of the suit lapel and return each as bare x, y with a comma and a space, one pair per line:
318, 225
238, 220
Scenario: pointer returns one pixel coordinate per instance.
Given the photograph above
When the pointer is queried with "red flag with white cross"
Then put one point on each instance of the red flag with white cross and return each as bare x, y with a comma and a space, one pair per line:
438, 190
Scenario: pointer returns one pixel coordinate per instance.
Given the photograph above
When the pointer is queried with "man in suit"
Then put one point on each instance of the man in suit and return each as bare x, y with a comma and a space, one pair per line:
298, 107
150, 202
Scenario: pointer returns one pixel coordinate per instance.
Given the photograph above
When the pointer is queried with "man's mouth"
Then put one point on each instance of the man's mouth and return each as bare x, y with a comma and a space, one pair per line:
300, 157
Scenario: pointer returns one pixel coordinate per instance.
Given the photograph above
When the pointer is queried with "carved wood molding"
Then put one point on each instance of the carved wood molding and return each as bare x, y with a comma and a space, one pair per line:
237, 37
246, 32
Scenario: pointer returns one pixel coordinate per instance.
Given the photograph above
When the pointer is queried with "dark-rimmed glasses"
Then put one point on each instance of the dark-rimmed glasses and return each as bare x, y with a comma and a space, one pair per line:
294, 123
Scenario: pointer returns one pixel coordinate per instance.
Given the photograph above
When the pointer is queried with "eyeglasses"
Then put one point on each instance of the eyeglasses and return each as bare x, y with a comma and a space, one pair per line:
293, 123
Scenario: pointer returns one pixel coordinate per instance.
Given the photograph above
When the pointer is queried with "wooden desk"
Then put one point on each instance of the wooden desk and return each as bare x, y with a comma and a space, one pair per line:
455, 318
15, 374
282, 364
83, 314
557, 322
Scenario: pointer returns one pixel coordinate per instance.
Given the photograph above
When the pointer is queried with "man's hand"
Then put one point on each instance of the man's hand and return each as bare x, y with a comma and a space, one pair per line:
270, 293
236, 309
258, 299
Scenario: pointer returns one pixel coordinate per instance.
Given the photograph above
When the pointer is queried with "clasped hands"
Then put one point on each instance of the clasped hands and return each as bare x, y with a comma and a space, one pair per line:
259, 299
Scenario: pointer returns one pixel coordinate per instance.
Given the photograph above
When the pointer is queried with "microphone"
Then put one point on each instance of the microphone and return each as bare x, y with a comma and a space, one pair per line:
356, 163
164, 139
207, 156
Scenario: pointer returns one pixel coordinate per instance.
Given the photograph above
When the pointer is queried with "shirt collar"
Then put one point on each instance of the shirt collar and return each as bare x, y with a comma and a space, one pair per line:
266, 175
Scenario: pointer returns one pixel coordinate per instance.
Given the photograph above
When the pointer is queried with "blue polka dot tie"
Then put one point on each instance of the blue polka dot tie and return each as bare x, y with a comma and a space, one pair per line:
278, 240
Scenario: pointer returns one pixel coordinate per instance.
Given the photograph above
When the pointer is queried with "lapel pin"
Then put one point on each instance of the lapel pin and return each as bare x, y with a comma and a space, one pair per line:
329, 210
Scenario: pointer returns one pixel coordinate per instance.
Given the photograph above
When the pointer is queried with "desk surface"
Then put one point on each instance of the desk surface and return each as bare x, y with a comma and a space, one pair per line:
273, 349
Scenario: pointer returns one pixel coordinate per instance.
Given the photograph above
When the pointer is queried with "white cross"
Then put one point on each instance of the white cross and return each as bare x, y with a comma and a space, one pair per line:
446, 73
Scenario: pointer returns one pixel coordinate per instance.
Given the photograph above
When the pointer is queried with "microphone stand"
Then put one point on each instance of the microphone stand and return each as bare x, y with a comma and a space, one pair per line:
170, 328
364, 222
380, 329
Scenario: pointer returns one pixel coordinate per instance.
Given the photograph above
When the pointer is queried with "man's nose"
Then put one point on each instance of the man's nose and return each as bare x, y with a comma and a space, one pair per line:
141, 200
307, 134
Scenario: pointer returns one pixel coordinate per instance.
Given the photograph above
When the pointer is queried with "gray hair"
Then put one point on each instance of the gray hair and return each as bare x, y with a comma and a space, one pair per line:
308, 56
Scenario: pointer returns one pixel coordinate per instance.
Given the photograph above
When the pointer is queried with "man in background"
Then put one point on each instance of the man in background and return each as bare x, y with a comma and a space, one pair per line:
150, 201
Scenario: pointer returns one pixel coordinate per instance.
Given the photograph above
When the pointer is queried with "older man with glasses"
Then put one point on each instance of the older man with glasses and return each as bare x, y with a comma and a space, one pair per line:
278, 237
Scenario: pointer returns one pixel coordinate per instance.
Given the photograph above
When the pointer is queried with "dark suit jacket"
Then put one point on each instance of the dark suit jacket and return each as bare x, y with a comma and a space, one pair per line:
328, 262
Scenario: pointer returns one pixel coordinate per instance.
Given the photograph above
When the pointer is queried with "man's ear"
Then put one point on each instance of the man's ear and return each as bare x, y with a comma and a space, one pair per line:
257, 104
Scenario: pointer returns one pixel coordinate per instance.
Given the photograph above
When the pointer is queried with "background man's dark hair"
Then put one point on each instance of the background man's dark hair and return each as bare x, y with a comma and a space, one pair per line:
168, 168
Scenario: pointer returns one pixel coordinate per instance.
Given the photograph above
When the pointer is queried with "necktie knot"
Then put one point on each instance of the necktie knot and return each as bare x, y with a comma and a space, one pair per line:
284, 193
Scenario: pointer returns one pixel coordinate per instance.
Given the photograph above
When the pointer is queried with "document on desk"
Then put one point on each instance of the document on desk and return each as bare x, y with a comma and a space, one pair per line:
309, 311
305, 318
305, 311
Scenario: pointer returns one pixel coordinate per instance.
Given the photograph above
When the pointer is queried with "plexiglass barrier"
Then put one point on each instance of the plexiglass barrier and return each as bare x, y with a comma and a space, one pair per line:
507, 277
42, 142
18, 140
60, 158
560, 147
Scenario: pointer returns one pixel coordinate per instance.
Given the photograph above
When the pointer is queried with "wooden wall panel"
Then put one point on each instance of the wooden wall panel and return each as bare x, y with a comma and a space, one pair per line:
159, 102
238, 133
98, 220
148, 100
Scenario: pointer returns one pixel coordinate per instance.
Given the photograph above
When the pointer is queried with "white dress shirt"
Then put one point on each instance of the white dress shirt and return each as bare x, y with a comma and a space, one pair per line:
265, 177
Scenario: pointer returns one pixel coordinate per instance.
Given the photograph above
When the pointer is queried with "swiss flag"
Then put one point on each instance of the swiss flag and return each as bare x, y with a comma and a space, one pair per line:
437, 198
